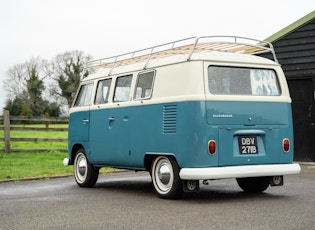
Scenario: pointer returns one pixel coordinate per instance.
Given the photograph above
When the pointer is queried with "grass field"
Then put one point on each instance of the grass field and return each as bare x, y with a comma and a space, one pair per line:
38, 134
16, 166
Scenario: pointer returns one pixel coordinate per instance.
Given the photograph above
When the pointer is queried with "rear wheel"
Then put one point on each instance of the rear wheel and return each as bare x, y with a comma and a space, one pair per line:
85, 173
165, 177
253, 184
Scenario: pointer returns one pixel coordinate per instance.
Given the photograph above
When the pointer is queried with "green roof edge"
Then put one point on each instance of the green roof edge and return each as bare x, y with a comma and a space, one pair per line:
290, 28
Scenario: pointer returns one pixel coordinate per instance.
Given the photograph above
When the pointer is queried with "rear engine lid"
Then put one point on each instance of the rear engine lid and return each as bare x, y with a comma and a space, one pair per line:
248, 113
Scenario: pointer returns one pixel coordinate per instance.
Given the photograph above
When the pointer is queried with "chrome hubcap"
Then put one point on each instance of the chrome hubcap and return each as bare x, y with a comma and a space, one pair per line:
81, 168
164, 175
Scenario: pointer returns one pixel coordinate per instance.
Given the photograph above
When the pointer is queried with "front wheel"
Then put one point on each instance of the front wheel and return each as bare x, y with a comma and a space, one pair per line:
165, 177
253, 184
85, 173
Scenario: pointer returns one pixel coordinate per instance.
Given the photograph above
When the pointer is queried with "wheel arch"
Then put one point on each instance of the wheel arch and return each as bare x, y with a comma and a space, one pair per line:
74, 150
148, 158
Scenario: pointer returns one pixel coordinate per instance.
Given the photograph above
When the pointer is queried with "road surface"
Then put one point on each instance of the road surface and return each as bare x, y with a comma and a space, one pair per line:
127, 201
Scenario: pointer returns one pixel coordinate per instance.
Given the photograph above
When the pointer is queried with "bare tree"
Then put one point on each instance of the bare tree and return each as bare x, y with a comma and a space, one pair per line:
14, 84
38, 86
25, 85
67, 71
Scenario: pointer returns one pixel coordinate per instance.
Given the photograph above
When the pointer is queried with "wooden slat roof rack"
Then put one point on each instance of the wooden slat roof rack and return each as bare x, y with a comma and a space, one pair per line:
188, 47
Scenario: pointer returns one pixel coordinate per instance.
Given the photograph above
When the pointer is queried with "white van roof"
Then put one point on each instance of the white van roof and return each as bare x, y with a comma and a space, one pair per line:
212, 48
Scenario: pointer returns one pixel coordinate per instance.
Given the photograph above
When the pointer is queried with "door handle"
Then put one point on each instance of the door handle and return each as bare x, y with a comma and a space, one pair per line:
85, 121
111, 118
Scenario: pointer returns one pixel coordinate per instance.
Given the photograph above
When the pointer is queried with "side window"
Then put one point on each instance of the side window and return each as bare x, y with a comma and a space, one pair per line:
102, 91
144, 85
84, 95
122, 88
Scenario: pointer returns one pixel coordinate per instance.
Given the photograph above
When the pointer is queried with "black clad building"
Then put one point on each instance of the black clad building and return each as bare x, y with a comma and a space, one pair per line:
295, 50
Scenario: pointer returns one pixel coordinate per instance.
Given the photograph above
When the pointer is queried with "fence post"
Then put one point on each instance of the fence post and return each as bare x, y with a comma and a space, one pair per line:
6, 126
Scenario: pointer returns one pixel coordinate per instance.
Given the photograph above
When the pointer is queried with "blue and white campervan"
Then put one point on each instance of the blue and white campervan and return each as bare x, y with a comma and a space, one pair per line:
194, 109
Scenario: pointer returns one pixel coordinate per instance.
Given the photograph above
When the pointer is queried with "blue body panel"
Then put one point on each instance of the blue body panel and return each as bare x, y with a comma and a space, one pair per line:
78, 133
183, 129
269, 122
78, 129
109, 140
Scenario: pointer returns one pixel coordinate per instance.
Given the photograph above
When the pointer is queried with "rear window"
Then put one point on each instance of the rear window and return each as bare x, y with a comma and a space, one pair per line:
242, 81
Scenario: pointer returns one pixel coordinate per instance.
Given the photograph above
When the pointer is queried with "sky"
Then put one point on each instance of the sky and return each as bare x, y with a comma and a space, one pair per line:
103, 28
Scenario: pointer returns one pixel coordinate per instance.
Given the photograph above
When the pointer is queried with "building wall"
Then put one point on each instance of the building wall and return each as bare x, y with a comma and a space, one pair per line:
296, 51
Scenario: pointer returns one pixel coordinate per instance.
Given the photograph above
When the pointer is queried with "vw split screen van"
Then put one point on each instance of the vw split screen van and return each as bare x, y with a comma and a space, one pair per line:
195, 109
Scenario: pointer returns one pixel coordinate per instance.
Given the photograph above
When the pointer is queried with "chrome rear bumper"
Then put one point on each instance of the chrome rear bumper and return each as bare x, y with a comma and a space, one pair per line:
238, 171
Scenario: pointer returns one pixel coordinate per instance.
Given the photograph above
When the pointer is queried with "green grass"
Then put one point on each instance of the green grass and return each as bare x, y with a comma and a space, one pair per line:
16, 166
37, 134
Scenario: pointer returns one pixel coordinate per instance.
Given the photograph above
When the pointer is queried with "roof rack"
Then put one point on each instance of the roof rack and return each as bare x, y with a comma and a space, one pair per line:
187, 46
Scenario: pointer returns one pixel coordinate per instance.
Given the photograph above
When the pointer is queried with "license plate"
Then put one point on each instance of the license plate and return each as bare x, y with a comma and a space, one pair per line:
247, 145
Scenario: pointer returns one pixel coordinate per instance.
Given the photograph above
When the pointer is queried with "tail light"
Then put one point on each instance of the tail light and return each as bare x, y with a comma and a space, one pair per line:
286, 145
212, 147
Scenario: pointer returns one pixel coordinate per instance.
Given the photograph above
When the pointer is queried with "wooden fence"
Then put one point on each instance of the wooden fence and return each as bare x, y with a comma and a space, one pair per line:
7, 127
